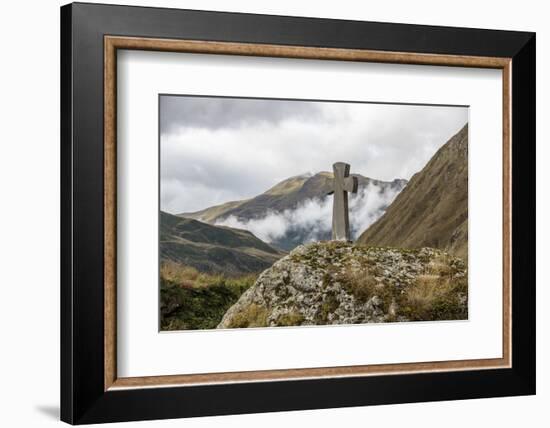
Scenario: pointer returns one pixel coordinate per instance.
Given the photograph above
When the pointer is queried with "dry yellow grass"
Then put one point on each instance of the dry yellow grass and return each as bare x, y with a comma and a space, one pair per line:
251, 316
435, 294
426, 289
439, 265
290, 319
193, 300
359, 283
186, 276
189, 277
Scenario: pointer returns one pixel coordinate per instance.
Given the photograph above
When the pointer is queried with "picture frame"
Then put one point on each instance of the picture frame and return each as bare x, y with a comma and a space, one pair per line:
91, 390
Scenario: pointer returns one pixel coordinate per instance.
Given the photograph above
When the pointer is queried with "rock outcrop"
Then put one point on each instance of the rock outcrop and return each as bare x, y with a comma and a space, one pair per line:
339, 283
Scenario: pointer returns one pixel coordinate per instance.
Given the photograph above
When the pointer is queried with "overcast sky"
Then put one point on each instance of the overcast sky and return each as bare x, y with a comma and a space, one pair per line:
215, 150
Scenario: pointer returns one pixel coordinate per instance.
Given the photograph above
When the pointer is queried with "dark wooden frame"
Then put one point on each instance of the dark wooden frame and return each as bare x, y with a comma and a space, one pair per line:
114, 43
90, 35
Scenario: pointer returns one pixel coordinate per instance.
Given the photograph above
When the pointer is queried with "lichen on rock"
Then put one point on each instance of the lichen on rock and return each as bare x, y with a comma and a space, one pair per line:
339, 283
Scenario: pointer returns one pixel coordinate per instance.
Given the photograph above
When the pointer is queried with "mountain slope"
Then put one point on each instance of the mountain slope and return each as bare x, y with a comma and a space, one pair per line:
432, 210
209, 215
286, 197
213, 249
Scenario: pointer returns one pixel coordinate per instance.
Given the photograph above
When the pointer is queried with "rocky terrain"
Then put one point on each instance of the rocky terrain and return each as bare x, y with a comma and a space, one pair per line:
432, 210
340, 283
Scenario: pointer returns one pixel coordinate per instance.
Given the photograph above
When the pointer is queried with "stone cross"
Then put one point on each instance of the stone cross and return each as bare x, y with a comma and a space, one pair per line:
343, 184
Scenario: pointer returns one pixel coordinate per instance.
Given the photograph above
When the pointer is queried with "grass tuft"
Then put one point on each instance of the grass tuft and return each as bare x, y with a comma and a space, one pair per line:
292, 318
251, 316
434, 297
360, 284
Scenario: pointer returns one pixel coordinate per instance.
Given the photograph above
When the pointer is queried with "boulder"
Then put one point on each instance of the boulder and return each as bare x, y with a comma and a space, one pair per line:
335, 282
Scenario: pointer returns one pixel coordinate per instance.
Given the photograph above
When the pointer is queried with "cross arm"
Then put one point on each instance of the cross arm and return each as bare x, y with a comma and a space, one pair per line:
351, 184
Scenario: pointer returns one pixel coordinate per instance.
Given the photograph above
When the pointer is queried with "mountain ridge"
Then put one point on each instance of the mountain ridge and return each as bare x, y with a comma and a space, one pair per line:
432, 210
298, 188
213, 249
285, 196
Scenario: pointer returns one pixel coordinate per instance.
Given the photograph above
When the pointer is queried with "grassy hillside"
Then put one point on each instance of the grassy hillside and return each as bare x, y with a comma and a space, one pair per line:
192, 300
432, 210
213, 249
209, 215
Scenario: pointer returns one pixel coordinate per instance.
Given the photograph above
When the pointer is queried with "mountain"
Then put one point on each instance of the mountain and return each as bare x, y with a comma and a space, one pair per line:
213, 249
432, 210
339, 283
209, 215
278, 207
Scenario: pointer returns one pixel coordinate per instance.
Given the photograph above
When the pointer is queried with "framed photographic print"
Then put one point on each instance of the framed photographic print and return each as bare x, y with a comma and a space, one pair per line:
265, 213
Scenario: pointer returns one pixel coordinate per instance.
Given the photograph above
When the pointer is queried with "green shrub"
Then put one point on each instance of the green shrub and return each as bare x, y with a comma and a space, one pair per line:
191, 300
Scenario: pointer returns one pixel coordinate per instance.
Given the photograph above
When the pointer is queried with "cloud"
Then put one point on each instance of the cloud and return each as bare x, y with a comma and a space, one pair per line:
218, 150
368, 206
313, 218
177, 112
